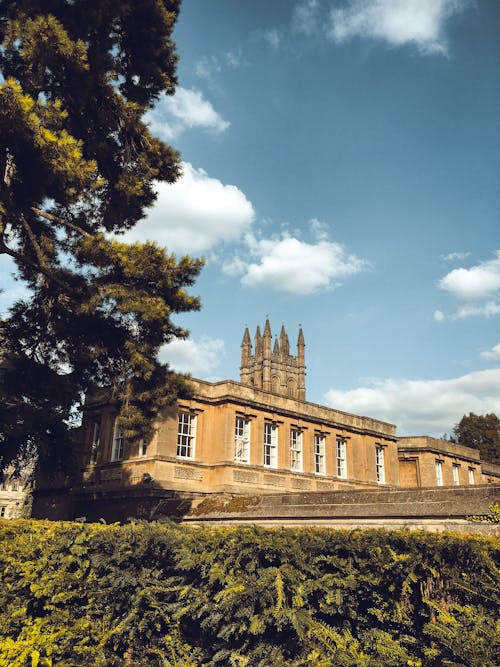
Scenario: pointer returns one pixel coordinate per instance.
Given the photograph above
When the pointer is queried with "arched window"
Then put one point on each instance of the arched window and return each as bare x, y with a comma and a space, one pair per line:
275, 384
291, 388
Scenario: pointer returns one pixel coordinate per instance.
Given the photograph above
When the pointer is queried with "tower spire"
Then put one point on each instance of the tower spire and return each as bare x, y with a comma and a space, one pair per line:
271, 367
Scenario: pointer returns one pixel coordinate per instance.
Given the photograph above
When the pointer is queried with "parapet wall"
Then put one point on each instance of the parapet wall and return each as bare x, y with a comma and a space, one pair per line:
403, 504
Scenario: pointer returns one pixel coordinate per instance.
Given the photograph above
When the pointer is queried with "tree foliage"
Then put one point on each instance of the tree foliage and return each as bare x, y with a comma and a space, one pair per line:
78, 165
481, 432
154, 595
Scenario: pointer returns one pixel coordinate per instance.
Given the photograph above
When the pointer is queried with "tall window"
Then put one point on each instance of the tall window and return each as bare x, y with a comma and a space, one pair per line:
270, 445
118, 444
341, 458
296, 450
439, 473
186, 435
471, 475
380, 464
319, 454
143, 447
456, 474
96, 438
242, 440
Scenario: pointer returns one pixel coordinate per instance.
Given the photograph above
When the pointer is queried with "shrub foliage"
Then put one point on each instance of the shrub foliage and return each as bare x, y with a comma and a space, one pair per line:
159, 595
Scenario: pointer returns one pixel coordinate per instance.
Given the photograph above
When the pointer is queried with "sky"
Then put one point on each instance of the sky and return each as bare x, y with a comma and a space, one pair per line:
341, 171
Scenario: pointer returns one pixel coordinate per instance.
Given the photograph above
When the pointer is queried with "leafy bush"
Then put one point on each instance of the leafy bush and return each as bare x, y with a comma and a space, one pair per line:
147, 594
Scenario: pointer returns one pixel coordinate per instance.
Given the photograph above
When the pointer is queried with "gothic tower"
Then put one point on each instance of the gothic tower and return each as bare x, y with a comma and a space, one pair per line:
272, 367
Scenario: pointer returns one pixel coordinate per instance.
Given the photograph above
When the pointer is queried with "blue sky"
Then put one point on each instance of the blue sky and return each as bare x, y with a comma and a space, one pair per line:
342, 171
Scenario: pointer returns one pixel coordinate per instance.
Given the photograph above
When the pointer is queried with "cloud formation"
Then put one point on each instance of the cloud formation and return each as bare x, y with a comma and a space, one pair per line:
493, 354
210, 67
173, 114
305, 17
417, 407
195, 213
477, 289
455, 256
397, 22
195, 357
291, 265
439, 316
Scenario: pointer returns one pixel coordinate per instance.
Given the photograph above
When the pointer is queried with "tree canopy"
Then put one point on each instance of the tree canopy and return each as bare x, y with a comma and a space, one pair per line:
78, 165
481, 432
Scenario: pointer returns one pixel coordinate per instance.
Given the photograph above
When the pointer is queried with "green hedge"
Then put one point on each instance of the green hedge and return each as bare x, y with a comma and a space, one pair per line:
156, 595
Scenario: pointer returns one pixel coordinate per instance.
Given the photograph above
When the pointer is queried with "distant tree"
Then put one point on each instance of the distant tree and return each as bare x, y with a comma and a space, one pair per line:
481, 432
77, 166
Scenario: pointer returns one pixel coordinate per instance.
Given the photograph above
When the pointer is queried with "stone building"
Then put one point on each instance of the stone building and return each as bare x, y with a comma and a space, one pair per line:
14, 493
427, 462
255, 437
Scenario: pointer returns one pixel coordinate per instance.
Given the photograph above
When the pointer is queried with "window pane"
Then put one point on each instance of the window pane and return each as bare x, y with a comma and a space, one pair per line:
439, 473
118, 444
341, 458
270, 445
319, 454
380, 464
296, 450
242, 440
186, 435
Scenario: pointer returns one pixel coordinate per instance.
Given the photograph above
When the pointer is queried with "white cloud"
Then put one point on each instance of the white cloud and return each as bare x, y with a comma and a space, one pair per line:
209, 67
493, 354
487, 309
477, 288
273, 38
477, 282
186, 109
305, 17
195, 213
398, 22
291, 265
439, 316
418, 407
190, 356
455, 256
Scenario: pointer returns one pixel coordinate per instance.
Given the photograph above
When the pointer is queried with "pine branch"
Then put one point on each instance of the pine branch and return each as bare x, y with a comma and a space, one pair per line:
60, 221
36, 247
4, 249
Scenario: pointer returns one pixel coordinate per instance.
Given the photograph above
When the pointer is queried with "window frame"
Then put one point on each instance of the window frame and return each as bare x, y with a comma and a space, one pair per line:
241, 439
341, 457
380, 464
456, 474
118, 447
186, 434
270, 445
319, 454
438, 466
95, 441
142, 448
471, 478
296, 450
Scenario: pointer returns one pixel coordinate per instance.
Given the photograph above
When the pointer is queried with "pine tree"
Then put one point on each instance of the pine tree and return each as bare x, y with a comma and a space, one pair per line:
78, 165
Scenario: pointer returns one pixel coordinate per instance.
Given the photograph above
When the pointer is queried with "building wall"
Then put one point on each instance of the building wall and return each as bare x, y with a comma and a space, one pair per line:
13, 493
419, 455
212, 467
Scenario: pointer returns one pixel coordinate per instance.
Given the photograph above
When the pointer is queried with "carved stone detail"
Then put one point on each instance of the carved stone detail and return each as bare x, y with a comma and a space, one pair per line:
187, 473
244, 476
